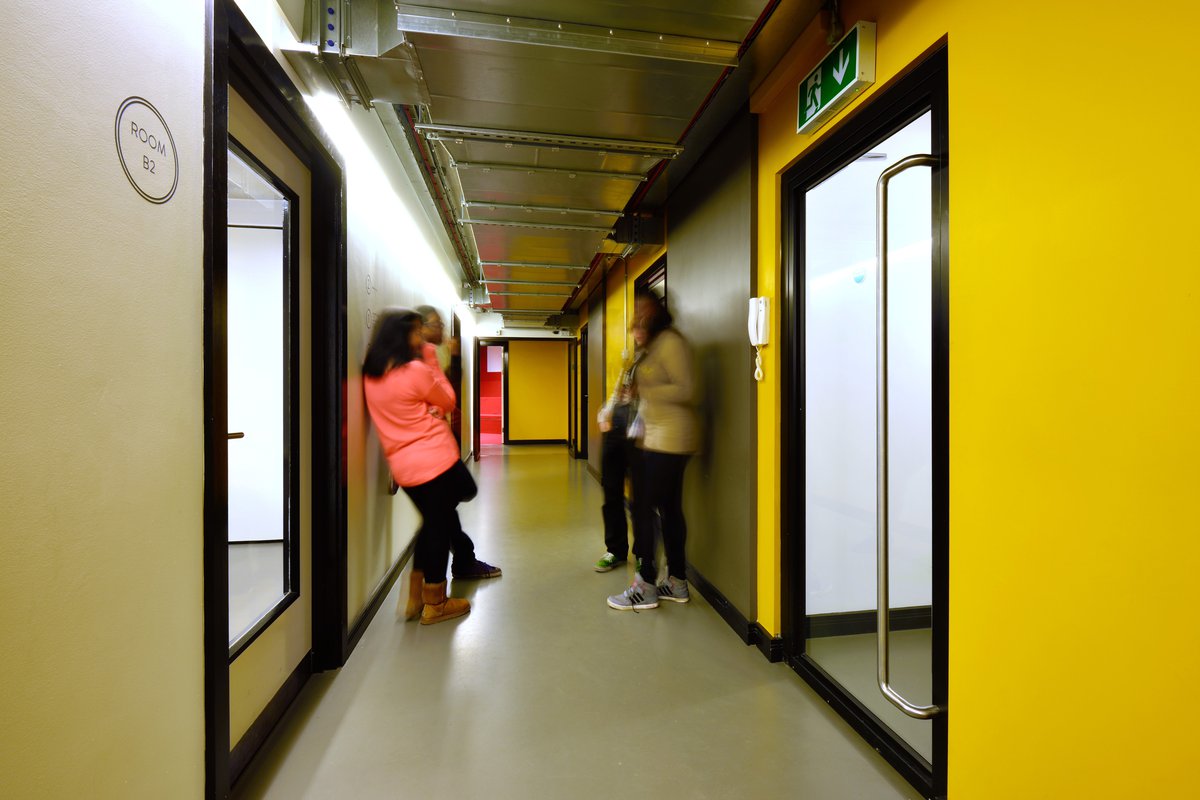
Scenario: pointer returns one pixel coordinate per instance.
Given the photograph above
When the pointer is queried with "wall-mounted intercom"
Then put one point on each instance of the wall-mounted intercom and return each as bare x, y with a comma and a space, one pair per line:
758, 325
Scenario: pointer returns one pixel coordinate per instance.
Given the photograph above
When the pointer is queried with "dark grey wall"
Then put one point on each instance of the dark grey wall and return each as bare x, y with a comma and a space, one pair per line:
710, 278
595, 376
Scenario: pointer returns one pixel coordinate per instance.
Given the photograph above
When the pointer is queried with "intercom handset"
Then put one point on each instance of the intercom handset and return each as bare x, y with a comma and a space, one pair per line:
758, 325
759, 322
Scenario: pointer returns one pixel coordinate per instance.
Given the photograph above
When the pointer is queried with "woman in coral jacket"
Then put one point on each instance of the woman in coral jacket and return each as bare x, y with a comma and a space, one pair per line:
409, 402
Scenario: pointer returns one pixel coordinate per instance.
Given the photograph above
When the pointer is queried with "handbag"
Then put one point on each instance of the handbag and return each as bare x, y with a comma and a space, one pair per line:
637, 426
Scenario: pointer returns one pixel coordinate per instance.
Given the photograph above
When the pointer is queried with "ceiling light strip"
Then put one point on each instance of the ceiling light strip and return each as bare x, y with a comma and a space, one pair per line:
550, 140
595, 212
558, 226
570, 173
570, 35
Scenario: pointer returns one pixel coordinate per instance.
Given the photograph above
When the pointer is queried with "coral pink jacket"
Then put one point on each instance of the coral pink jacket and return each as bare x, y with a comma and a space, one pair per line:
418, 445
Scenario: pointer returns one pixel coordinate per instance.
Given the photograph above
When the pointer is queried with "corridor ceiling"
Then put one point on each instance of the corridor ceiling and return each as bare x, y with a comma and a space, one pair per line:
549, 130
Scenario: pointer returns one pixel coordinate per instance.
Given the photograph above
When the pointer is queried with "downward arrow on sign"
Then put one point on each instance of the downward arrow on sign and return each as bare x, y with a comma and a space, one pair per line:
839, 71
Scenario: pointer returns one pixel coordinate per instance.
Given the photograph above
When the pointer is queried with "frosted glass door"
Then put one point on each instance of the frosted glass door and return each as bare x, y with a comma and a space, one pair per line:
840, 449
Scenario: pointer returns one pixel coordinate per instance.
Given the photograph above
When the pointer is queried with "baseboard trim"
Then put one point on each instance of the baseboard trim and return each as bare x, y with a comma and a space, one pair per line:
253, 739
771, 646
721, 604
368, 614
536, 441
849, 623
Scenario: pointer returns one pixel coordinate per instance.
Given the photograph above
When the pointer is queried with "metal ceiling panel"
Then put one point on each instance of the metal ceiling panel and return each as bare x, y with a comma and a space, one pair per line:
502, 85
495, 276
480, 214
537, 245
551, 305
715, 19
545, 117
509, 186
510, 154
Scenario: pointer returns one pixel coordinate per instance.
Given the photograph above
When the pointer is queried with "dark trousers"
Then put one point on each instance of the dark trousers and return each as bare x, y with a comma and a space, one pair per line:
619, 456
438, 500
662, 497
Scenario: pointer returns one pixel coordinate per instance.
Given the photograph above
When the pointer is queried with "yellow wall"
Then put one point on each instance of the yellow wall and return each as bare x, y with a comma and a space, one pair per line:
618, 297
102, 393
1074, 386
537, 390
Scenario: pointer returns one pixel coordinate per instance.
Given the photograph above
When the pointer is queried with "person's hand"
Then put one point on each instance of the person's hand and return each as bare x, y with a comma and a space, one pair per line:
436, 412
454, 345
605, 425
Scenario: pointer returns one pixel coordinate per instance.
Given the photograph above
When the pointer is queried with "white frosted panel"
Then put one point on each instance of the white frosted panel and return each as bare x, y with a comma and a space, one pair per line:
256, 348
262, 213
495, 359
840, 383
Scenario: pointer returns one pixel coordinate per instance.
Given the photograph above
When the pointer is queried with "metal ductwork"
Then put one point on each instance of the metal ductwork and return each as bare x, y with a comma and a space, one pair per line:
639, 229
359, 53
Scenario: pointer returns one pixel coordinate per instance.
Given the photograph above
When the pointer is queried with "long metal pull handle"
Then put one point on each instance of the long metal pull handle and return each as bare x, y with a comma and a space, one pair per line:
882, 631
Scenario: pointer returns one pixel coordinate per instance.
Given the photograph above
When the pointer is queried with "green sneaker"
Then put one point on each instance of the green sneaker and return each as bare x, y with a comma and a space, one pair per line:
607, 562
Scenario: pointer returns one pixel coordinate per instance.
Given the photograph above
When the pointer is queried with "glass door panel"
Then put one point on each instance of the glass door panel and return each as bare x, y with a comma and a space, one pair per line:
256, 325
840, 447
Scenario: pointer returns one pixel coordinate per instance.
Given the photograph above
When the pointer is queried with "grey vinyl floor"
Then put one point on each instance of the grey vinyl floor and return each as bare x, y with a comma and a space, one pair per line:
544, 692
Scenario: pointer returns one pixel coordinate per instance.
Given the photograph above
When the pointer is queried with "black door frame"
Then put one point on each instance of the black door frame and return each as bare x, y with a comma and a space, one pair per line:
572, 388
923, 88
480, 344
236, 56
581, 450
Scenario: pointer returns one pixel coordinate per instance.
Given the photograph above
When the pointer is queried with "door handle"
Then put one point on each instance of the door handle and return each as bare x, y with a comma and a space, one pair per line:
882, 632
238, 435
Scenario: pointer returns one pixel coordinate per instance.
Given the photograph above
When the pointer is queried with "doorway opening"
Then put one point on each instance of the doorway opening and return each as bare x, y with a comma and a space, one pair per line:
492, 406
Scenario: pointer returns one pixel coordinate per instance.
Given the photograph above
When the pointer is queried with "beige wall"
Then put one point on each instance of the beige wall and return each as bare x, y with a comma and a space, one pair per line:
101, 473
397, 254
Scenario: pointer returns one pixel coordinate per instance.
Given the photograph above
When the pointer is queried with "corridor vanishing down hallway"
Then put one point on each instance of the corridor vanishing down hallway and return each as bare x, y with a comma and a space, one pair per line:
545, 692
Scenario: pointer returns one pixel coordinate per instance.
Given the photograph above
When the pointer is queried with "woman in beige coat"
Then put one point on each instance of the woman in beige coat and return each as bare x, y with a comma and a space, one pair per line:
664, 387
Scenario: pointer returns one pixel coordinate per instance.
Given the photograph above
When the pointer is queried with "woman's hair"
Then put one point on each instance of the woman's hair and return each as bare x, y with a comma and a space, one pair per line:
659, 319
390, 345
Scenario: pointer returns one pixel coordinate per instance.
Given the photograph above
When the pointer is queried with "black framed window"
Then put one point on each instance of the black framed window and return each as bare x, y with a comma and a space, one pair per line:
261, 313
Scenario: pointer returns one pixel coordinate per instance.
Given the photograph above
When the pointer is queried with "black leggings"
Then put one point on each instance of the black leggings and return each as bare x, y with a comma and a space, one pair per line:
619, 456
662, 495
438, 500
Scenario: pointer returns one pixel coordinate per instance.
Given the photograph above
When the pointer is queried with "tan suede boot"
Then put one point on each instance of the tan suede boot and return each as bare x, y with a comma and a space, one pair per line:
414, 603
438, 607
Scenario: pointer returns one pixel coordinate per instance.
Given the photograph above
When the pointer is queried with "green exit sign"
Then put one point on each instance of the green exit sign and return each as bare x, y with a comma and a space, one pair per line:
847, 70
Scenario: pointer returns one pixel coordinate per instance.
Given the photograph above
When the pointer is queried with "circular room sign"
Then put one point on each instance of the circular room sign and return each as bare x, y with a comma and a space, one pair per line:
147, 150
